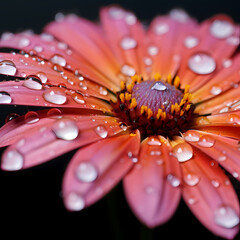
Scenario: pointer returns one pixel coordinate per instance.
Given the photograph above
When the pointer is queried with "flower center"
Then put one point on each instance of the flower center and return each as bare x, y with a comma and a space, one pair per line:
155, 107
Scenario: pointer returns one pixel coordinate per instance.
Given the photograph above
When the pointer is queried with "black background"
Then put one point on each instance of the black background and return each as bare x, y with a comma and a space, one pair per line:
30, 200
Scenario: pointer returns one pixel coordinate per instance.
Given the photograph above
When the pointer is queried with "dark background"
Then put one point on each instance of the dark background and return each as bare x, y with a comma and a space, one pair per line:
30, 200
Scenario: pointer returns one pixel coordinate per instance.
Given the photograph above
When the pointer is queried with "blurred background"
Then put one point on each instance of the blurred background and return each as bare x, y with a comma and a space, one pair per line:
30, 200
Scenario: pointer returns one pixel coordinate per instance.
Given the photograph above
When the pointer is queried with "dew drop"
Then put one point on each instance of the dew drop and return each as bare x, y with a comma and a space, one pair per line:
123, 126
78, 98
149, 190
202, 120
101, 131
86, 172
42, 76
147, 61
155, 153
128, 70
227, 63
11, 116
154, 142
179, 15
215, 183
222, 158
58, 59
161, 28
65, 129
226, 216
183, 152
38, 48
191, 179
23, 42
152, 50
47, 37
32, 82
74, 202
130, 19
54, 113
128, 43
192, 200
173, 180
191, 136
234, 40
221, 29
5, 97
202, 63
103, 91
191, 42
206, 141
159, 86
55, 95
215, 90
12, 160
7, 67
31, 117
116, 13
234, 118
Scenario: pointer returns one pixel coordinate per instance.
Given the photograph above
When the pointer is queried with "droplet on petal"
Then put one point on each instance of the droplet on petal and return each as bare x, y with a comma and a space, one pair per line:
161, 28
23, 42
191, 136
191, 42
42, 76
179, 15
128, 43
5, 97
12, 161
202, 63
173, 180
86, 172
55, 96
183, 152
33, 82
215, 183
54, 113
226, 216
101, 131
206, 141
58, 59
74, 202
130, 19
123, 126
191, 179
66, 129
215, 90
78, 98
152, 50
31, 117
7, 67
234, 118
11, 116
128, 70
154, 142
221, 29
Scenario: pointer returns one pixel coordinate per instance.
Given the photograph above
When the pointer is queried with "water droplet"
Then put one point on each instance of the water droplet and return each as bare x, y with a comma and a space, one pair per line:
11, 116
101, 131
202, 120
31, 117
155, 153
74, 202
78, 98
128, 70
33, 82
134, 159
192, 200
215, 183
152, 50
226, 216
179, 15
7, 67
234, 40
47, 37
206, 141
55, 95
161, 28
191, 179
12, 160
5, 97
23, 42
154, 142
123, 126
183, 152
235, 174
227, 63
116, 13
130, 18
54, 113
58, 59
191, 42
215, 90
159, 86
147, 61
191, 136
86, 172
103, 91
65, 129
42, 76
222, 158
173, 180
202, 63
38, 48
221, 29
234, 118
59, 17
128, 43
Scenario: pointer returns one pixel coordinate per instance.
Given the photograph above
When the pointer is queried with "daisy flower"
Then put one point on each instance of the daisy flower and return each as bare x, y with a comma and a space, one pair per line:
156, 107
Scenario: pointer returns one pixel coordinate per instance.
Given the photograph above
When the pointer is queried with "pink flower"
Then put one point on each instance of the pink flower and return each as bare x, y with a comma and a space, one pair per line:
156, 107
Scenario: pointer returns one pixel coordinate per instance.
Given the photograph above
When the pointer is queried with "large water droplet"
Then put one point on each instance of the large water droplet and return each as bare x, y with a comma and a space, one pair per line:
12, 161
206, 141
159, 86
7, 67
58, 59
130, 18
74, 202
161, 28
191, 136
33, 82
191, 42
173, 180
31, 117
128, 70
202, 63
221, 29
101, 131
191, 179
42, 76
55, 96
5, 97
215, 90
54, 113
86, 172
183, 152
103, 91
65, 129
226, 216
128, 43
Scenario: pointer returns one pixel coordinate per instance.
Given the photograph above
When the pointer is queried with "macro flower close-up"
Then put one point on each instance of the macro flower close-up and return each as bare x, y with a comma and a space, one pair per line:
155, 106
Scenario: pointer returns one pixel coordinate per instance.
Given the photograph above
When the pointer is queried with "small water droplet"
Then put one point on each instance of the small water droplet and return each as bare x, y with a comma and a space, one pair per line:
222, 158
65, 129
130, 18
123, 126
147, 61
23, 42
227, 63
221, 29
191, 136
128, 43
149, 190
38, 48
215, 183
202, 120
54, 113
11, 116
12, 160
78, 98
42, 76
206, 141
226, 216
234, 40
215, 90
7, 67
59, 17
74, 202
128, 70
202, 63
191, 179
154, 142
173, 180
191, 42
183, 152
47, 37
86, 172
159, 86
31, 117
103, 91
192, 200
55, 95
235, 174
234, 118
5, 97
155, 153
152, 50
116, 13
58, 59
161, 28
101, 131
33, 82
179, 15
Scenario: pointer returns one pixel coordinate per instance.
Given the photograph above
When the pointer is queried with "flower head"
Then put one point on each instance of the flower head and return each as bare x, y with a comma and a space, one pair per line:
156, 107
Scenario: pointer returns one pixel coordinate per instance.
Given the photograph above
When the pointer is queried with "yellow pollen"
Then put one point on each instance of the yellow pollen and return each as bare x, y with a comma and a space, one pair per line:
181, 113
129, 87
169, 78
128, 96
172, 108
187, 87
122, 97
150, 113
189, 97
176, 81
182, 102
157, 76
133, 103
163, 115
122, 85
188, 107
177, 108
136, 78
185, 96
159, 113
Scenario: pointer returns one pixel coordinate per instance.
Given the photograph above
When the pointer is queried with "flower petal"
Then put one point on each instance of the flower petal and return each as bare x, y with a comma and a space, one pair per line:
210, 195
96, 169
152, 186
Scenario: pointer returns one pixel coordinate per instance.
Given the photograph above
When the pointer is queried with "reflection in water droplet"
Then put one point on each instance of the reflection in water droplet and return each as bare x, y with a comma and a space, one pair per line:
54, 113
55, 95
58, 59
101, 131
173, 180
74, 202
191, 136
78, 98
215, 90
159, 86
206, 141
86, 172
65, 129
5, 97
154, 141
31, 117
128, 71
215, 183
42, 76
12, 160
221, 29
11, 116
23, 42
183, 152
33, 82
7, 67
191, 179
123, 126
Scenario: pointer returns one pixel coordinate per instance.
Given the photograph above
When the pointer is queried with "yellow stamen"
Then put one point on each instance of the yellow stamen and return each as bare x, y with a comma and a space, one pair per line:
177, 108
169, 78
135, 79
186, 90
133, 103
150, 113
176, 81
128, 96
163, 115
172, 108
157, 76
142, 110
188, 107
182, 102
185, 96
159, 113
189, 97
122, 85
181, 112
129, 88
122, 97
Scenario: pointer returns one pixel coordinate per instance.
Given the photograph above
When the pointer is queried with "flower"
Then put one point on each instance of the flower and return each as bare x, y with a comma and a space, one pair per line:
157, 108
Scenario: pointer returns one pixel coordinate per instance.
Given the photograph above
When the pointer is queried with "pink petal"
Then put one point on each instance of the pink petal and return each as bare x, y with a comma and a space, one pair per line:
152, 186
210, 195
36, 142
96, 169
